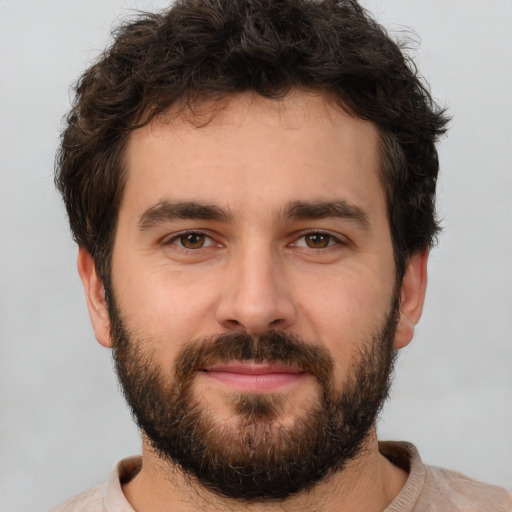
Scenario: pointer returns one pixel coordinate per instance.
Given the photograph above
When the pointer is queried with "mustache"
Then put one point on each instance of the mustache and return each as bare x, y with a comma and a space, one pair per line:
271, 346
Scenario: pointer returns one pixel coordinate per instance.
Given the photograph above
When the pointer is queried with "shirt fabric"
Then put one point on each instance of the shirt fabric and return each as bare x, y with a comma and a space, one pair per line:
428, 488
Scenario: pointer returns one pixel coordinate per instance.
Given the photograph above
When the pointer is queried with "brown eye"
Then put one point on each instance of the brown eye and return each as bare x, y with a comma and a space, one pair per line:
192, 240
317, 240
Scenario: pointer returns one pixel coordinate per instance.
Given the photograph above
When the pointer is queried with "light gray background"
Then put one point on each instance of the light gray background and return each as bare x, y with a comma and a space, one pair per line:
63, 422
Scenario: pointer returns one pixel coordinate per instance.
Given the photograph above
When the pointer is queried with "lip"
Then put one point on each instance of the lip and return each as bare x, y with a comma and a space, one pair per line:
254, 377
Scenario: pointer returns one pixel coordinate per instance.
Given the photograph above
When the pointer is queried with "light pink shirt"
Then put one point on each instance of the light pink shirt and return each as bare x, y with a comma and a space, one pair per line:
428, 488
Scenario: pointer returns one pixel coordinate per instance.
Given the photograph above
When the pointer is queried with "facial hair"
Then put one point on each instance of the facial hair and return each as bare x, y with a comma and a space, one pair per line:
259, 460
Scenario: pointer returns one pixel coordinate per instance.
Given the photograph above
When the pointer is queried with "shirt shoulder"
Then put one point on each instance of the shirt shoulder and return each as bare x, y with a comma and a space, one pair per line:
107, 497
434, 489
445, 488
88, 501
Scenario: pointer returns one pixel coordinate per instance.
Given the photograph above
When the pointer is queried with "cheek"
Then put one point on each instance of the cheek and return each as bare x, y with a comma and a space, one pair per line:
166, 305
342, 312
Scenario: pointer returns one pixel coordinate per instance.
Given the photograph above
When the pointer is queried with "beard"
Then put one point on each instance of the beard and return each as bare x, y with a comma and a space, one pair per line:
257, 458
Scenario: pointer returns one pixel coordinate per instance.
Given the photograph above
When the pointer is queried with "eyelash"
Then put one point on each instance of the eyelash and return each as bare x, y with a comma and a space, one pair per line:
333, 241
178, 236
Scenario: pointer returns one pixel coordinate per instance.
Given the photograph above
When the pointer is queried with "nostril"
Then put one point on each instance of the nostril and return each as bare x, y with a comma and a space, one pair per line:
233, 324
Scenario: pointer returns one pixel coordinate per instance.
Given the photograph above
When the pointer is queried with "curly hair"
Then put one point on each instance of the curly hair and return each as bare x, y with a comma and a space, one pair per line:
207, 49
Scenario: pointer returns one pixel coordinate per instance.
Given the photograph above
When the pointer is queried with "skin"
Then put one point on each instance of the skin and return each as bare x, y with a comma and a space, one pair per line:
255, 270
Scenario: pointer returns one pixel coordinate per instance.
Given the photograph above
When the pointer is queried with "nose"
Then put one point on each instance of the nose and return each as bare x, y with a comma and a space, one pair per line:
255, 295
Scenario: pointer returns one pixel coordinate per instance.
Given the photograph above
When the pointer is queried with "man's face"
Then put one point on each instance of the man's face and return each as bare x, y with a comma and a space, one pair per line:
271, 218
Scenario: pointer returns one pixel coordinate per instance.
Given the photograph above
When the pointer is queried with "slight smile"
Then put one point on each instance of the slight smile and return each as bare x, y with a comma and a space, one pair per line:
254, 377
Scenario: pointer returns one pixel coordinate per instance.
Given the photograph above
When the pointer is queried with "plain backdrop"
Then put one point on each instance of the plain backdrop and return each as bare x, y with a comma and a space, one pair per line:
63, 423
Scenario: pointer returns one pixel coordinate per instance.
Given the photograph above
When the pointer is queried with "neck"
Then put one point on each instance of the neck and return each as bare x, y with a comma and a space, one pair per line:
368, 483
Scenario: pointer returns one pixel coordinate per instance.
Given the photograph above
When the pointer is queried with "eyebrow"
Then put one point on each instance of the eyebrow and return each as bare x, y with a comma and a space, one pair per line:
305, 210
166, 211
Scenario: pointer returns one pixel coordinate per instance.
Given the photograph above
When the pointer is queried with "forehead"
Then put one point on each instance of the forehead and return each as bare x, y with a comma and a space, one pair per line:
248, 150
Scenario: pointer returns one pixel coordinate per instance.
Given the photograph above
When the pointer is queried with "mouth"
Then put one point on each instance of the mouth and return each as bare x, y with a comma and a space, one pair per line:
254, 377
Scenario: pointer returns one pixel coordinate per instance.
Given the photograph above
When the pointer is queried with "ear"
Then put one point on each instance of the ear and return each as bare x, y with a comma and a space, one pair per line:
95, 297
412, 298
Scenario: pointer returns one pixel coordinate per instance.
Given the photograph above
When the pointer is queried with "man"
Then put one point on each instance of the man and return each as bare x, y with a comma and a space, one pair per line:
251, 185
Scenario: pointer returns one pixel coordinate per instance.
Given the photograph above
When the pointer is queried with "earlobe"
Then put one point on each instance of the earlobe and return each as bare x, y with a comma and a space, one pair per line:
412, 297
95, 297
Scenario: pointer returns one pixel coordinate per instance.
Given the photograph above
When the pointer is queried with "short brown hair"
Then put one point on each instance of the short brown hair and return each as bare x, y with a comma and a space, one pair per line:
208, 49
